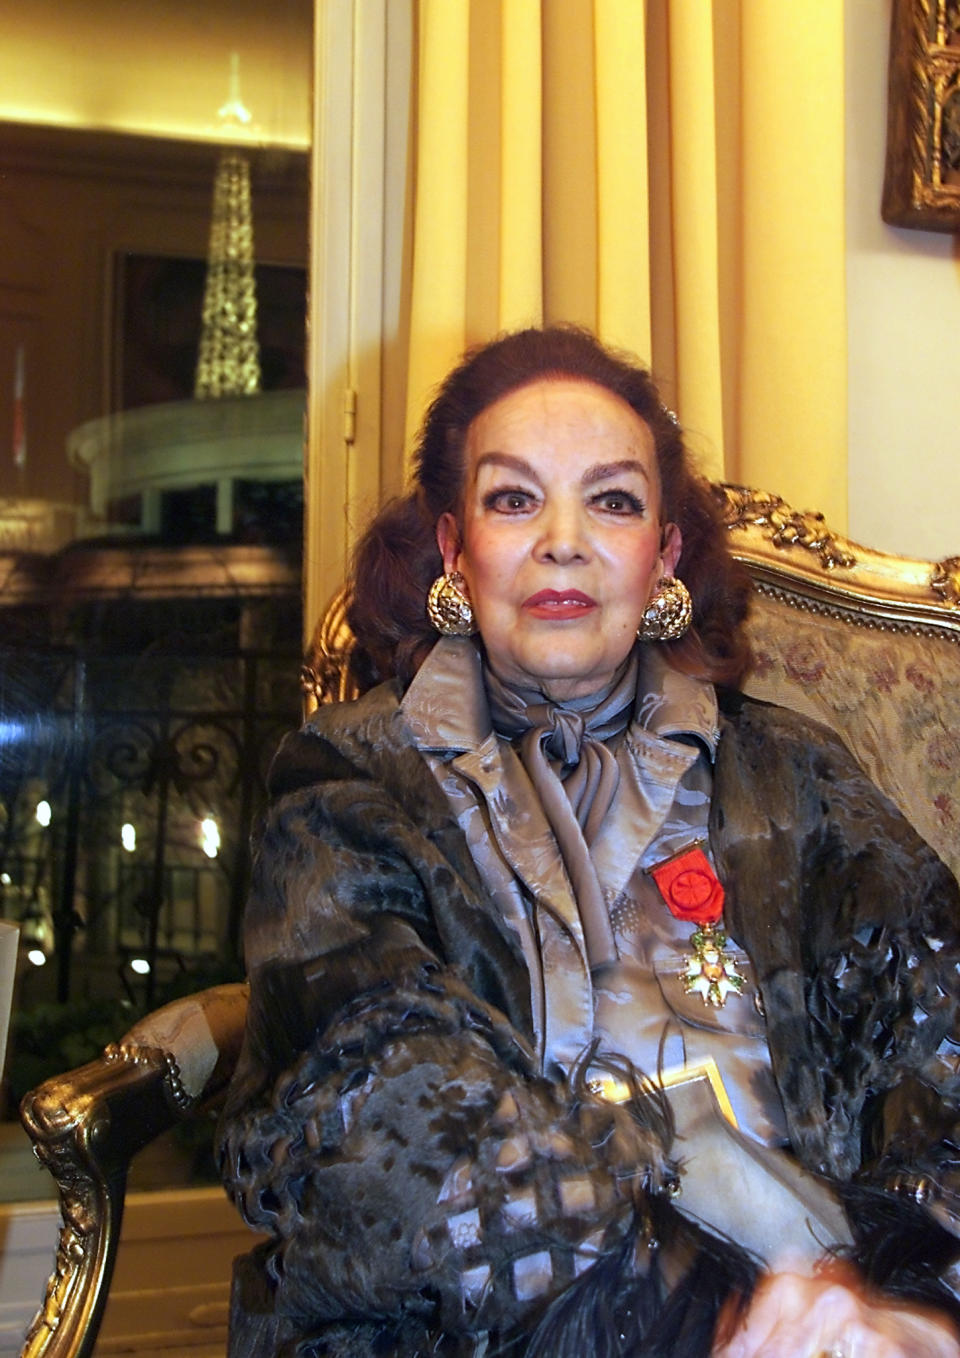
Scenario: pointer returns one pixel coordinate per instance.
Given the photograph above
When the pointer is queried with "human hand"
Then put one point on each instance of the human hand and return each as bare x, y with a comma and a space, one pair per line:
830, 1316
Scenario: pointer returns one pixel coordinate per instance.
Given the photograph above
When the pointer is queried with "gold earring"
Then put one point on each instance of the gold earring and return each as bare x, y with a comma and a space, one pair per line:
669, 613
448, 607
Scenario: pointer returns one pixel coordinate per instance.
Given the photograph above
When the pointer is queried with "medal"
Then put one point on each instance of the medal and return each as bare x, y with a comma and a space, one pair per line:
692, 891
710, 973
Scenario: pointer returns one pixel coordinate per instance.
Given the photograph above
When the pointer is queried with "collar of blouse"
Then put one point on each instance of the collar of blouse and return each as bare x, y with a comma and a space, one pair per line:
446, 705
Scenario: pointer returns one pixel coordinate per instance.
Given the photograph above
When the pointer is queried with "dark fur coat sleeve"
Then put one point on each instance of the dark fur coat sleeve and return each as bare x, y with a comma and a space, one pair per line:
386, 1124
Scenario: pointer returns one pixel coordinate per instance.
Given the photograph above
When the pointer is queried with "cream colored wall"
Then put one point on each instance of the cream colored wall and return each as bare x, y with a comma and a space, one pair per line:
157, 69
903, 301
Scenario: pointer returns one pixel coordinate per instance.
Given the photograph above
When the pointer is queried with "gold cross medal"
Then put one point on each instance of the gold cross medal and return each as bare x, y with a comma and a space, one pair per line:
692, 891
710, 973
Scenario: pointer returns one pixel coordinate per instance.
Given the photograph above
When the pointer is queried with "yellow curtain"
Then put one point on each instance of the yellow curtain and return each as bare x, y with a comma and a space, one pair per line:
669, 173
438, 295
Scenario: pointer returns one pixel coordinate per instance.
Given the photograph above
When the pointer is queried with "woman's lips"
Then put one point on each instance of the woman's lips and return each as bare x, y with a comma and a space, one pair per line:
559, 604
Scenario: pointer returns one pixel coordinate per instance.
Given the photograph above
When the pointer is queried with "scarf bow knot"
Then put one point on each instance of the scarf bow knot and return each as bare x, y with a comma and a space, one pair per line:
563, 748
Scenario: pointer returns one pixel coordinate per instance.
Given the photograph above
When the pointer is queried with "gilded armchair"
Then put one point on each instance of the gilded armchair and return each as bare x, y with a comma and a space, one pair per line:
867, 642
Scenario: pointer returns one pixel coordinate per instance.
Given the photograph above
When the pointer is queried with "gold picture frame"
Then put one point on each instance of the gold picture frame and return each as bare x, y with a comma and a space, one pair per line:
921, 186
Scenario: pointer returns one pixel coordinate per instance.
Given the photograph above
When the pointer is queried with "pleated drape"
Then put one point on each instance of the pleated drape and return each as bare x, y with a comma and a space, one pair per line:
439, 286
623, 258
693, 226
794, 349
520, 296
669, 173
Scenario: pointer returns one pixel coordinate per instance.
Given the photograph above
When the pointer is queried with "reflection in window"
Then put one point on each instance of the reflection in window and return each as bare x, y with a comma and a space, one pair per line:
150, 598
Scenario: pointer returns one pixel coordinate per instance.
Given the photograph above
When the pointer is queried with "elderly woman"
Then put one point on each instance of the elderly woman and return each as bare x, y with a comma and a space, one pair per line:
544, 853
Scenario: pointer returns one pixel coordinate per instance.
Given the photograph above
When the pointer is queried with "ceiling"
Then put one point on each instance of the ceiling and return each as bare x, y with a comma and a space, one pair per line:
159, 70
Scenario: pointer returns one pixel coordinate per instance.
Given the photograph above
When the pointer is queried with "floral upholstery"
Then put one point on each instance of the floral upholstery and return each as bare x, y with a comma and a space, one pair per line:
864, 641
893, 697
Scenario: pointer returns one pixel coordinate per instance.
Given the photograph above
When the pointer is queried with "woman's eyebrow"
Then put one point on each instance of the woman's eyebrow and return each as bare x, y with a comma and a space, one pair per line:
515, 464
604, 470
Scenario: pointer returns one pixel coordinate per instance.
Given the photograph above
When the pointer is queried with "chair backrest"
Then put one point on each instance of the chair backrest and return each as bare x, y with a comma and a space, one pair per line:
864, 641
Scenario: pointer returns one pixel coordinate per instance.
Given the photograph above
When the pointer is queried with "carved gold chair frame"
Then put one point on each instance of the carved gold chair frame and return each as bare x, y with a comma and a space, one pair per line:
87, 1124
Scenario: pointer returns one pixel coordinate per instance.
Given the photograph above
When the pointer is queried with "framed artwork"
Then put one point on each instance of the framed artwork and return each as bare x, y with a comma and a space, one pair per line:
921, 184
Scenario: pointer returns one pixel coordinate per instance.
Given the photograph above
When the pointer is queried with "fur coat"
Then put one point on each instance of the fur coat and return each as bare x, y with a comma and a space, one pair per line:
428, 1190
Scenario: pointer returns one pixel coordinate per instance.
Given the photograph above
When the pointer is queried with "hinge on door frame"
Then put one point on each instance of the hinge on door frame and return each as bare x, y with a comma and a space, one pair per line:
349, 415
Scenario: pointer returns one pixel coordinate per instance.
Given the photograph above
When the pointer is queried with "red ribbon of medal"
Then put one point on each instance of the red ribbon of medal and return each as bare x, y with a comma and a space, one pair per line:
692, 892
690, 887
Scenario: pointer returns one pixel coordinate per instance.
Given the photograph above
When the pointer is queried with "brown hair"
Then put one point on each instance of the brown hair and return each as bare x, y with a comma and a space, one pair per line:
397, 559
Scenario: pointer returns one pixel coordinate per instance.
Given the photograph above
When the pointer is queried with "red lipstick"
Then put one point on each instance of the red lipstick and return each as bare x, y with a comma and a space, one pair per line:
560, 605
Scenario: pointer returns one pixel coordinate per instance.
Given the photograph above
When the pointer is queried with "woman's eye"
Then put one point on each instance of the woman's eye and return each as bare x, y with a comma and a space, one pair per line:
619, 502
512, 501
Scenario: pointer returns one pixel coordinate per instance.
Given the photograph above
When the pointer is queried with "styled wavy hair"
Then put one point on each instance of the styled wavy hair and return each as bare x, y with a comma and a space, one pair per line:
398, 558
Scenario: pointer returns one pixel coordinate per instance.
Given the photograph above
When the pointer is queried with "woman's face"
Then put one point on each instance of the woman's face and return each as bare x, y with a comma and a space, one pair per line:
561, 543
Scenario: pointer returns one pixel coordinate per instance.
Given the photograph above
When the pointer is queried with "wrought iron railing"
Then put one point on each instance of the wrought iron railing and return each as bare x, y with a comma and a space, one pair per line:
128, 784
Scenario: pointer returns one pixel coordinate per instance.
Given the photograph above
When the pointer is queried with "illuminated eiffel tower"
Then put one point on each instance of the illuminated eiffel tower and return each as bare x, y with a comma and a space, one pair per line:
229, 360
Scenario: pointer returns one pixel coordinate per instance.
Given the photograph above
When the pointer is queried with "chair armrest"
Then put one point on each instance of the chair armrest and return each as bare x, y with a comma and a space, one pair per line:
87, 1125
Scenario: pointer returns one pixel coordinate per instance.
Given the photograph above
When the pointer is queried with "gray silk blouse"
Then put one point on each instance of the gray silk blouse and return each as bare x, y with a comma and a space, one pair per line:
637, 1007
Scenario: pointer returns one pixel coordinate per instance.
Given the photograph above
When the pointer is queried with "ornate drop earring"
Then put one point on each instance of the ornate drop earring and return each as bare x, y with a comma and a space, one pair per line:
669, 613
448, 607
